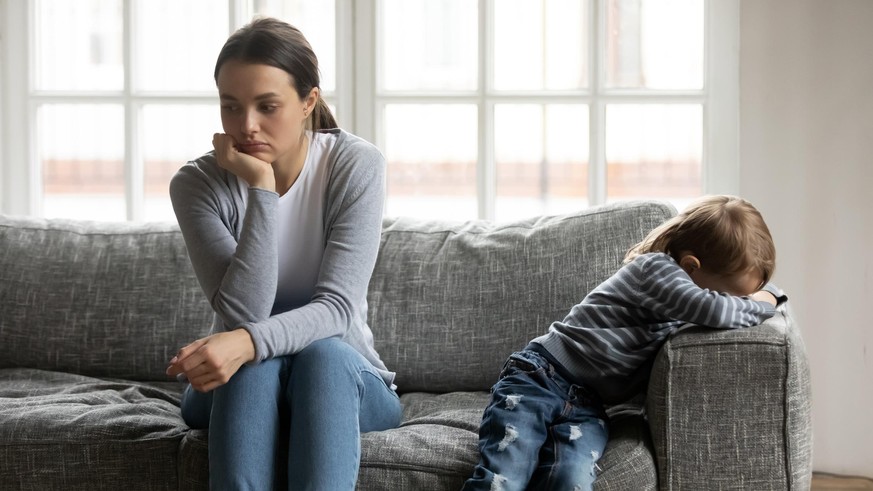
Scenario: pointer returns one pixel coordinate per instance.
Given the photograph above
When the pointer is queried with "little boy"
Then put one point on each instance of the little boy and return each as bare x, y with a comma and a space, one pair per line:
545, 427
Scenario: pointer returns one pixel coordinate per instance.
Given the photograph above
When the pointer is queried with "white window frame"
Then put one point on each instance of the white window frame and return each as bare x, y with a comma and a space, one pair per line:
719, 98
21, 190
359, 105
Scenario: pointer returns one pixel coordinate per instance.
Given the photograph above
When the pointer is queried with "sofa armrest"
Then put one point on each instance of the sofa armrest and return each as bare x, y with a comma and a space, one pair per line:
730, 409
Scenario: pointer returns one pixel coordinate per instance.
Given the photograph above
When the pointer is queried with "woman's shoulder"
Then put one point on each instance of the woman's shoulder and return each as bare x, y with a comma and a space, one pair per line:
200, 173
204, 166
354, 159
351, 149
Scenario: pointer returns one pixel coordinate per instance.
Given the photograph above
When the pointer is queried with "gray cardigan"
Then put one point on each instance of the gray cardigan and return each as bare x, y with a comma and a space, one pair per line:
234, 252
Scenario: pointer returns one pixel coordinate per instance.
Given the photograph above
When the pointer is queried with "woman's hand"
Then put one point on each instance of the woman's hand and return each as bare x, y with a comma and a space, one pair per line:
254, 171
210, 362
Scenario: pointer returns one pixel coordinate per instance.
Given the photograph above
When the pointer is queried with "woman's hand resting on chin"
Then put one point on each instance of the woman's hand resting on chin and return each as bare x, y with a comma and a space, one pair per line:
254, 171
210, 362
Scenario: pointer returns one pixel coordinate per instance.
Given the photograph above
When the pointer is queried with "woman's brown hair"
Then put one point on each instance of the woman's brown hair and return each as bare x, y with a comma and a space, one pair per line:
727, 234
278, 44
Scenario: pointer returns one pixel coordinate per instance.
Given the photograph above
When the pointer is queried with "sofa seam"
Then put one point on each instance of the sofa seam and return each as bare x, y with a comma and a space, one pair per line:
102, 441
560, 219
737, 342
786, 428
394, 465
668, 424
88, 234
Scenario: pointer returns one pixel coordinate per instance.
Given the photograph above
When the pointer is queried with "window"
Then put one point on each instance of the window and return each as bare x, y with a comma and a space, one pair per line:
119, 94
528, 107
493, 109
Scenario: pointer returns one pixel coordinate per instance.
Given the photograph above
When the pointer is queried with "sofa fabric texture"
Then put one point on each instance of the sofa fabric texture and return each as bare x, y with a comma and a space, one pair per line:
91, 312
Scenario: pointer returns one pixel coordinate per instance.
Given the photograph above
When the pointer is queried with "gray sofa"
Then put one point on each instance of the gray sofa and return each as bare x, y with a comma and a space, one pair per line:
91, 312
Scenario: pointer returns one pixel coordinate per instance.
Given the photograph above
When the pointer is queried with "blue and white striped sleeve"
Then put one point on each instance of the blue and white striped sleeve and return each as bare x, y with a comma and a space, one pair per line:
668, 291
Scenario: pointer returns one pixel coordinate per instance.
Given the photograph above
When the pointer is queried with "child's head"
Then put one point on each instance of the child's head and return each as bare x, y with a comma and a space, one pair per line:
721, 236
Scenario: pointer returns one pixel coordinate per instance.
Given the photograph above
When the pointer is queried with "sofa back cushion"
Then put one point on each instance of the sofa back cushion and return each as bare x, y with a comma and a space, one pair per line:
98, 299
448, 302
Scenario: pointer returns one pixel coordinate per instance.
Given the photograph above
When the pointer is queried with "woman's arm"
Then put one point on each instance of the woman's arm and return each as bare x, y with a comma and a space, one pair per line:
238, 278
356, 193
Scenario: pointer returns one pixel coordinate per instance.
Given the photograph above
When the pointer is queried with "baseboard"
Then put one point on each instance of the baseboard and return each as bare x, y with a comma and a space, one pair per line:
822, 481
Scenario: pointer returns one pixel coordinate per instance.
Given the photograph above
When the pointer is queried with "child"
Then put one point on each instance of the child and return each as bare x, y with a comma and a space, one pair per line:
545, 427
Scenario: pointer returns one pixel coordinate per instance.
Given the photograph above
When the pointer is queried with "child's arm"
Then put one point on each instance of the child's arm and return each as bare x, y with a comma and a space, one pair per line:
669, 292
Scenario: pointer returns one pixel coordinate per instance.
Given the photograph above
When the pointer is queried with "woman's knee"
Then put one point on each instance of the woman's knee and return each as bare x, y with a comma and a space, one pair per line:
327, 364
325, 349
331, 374
327, 355
253, 381
196, 408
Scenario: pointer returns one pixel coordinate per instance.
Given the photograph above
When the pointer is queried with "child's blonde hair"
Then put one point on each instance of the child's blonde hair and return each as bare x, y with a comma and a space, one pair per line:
727, 234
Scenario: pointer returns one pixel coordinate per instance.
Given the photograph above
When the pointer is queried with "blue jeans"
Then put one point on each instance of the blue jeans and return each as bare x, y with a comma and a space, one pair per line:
539, 431
306, 411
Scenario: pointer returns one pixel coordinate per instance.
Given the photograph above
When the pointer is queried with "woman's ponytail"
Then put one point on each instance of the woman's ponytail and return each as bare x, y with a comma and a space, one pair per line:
322, 117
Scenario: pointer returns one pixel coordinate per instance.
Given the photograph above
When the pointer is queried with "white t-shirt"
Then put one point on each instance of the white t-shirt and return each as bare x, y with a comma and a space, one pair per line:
301, 226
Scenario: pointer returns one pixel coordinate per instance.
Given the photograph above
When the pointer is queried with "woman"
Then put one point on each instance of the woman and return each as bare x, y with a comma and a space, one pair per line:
282, 224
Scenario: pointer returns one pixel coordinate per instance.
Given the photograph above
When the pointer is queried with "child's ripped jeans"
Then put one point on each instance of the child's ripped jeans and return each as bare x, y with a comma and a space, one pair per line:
539, 431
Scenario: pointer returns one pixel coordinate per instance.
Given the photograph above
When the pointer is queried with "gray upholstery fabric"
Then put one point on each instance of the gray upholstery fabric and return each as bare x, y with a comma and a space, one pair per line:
194, 461
732, 408
435, 448
450, 301
93, 298
628, 462
91, 312
70, 432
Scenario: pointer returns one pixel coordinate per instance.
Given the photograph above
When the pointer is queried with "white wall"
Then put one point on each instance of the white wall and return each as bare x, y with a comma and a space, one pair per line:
806, 159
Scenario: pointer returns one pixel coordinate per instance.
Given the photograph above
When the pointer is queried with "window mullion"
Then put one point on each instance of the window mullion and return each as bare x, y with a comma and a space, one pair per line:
721, 172
19, 164
239, 14
486, 172
133, 169
345, 63
597, 108
367, 102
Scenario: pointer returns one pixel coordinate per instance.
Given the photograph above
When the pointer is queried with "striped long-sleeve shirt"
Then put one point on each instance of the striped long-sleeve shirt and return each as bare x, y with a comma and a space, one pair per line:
609, 340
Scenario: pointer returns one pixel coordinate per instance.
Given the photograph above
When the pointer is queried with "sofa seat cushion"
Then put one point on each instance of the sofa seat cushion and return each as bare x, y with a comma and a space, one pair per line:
435, 448
79, 432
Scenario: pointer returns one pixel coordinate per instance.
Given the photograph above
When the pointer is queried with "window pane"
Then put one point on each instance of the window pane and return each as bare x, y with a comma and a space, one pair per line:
428, 45
431, 152
654, 151
81, 150
540, 44
541, 155
177, 42
317, 20
172, 135
654, 44
78, 45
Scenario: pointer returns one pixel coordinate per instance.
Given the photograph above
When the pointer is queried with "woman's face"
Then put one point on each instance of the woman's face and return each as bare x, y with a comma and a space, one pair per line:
261, 111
